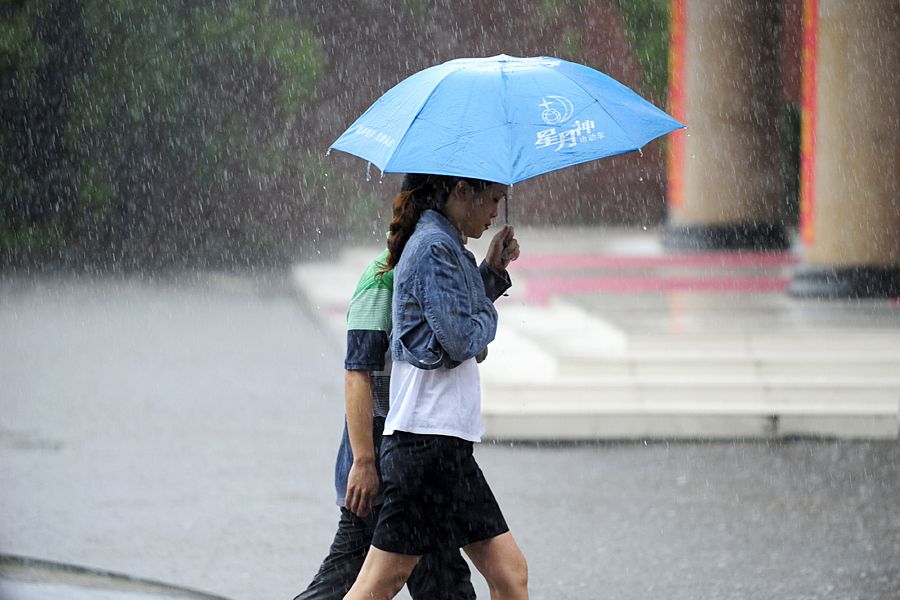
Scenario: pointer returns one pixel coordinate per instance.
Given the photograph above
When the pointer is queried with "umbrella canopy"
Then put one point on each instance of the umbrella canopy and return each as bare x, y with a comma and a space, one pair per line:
502, 119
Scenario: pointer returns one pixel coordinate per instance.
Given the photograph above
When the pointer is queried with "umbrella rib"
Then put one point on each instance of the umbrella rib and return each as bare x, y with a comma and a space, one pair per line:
603, 108
387, 163
504, 78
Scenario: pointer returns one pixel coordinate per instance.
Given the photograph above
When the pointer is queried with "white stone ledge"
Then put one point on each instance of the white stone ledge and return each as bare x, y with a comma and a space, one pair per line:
629, 426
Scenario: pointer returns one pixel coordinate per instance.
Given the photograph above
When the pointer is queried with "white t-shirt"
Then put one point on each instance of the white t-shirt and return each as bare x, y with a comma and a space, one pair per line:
437, 401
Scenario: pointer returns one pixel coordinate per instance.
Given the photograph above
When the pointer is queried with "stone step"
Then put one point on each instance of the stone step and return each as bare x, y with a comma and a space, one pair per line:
700, 303
584, 410
631, 425
563, 395
831, 345
568, 331
744, 322
766, 369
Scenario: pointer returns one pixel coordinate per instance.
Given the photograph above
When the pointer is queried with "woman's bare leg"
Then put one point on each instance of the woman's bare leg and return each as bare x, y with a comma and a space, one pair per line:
503, 566
382, 575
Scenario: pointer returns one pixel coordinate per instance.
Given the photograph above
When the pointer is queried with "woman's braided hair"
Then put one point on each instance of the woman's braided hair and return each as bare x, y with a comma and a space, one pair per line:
418, 193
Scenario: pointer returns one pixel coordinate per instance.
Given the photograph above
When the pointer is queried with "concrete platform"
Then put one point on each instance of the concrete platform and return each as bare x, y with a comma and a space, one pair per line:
606, 335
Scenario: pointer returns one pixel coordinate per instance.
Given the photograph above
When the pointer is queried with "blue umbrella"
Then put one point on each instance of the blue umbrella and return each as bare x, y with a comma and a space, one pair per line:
502, 119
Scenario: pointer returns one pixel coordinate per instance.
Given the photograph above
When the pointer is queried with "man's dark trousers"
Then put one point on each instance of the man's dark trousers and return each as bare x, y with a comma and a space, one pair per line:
443, 576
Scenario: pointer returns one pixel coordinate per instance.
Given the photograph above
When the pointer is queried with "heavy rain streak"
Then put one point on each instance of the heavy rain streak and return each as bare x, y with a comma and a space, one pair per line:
687, 375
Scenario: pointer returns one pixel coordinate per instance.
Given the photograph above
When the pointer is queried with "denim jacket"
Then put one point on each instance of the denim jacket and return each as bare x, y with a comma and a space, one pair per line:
443, 312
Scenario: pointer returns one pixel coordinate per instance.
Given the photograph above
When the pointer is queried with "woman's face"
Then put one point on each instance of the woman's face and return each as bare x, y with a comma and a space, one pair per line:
473, 212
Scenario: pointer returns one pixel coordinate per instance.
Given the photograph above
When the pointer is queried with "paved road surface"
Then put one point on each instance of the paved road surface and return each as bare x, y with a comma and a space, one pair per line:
185, 431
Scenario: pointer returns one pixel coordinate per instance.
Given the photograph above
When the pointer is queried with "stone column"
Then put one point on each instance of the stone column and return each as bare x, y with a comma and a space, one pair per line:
850, 165
725, 184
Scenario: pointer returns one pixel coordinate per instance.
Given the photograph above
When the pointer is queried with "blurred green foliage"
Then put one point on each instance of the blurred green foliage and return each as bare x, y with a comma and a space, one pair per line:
125, 121
571, 45
789, 123
18, 51
647, 25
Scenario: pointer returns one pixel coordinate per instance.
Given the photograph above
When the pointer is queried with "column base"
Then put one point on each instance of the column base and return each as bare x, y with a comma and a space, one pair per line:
731, 236
845, 282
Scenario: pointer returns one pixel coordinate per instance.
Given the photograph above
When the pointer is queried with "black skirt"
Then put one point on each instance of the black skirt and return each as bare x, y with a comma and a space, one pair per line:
435, 496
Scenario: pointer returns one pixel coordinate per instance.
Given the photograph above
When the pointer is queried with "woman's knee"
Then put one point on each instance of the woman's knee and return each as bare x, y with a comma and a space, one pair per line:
514, 572
382, 575
501, 562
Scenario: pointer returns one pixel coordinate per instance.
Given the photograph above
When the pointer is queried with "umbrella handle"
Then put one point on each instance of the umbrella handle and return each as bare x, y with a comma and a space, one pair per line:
506, 217
506, 204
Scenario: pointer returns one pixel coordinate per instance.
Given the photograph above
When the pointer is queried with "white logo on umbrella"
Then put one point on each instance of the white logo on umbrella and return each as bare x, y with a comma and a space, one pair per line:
556, 110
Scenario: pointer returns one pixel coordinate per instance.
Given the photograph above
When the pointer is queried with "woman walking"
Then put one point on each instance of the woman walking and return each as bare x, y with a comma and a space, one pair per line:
367, 369
435, 495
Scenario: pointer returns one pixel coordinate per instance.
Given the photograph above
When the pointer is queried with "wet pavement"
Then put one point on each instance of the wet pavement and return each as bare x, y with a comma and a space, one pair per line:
28, 579
184, 430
